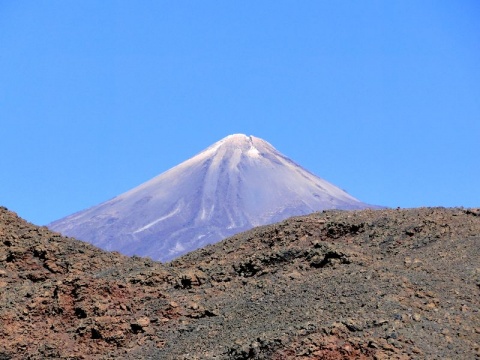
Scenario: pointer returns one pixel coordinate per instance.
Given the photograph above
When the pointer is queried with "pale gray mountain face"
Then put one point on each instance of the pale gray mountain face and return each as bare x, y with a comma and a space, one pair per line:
236, 184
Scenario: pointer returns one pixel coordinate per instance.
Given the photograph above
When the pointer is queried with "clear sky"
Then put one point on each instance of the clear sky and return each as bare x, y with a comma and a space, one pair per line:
381, 98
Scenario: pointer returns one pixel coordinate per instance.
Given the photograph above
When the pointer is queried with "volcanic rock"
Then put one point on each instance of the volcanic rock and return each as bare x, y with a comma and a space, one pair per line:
383, 284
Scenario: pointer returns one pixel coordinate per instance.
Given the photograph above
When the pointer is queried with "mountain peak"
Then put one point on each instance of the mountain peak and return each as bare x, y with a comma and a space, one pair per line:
235, 184
237, 138
238, 141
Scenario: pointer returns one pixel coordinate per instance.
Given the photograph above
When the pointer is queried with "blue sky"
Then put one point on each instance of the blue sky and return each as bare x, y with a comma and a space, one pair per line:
381, 98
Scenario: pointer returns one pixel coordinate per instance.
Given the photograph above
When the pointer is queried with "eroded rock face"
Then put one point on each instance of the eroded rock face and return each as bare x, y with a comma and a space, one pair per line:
384, 284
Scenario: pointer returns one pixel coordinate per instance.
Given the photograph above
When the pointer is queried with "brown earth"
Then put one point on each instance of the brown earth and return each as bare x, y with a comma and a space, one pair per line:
383, 284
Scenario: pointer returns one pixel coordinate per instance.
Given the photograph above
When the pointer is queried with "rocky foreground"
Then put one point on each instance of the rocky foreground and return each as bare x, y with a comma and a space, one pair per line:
383, 284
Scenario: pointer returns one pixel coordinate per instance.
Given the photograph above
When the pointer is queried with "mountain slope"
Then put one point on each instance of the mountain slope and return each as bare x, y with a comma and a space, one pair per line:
55, 301
384, 284
236, 184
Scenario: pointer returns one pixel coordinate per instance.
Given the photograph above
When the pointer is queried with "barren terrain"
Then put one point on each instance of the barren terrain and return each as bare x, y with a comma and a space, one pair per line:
383, 284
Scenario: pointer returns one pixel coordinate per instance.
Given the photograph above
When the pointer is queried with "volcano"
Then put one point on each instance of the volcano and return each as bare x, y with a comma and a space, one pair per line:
238, 183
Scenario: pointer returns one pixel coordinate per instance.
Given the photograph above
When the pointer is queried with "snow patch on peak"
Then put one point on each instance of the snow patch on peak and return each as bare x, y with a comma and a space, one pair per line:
238, 140
253, 152
230, 141
236, 137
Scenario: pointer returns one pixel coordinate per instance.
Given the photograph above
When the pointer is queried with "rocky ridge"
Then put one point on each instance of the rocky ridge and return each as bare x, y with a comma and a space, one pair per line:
383, 284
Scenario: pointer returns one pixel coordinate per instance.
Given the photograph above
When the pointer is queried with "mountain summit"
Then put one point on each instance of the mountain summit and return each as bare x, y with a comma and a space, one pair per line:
236, 184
